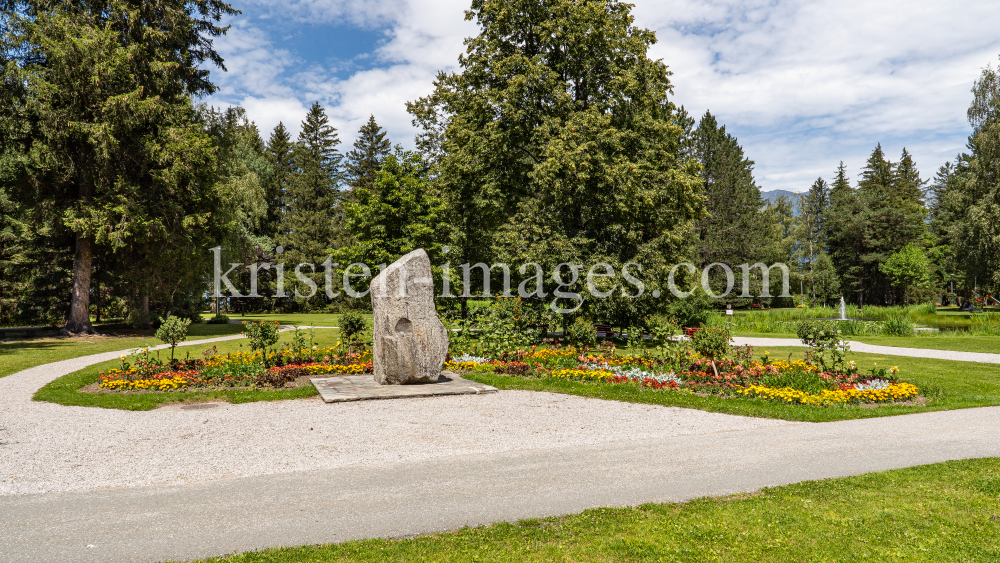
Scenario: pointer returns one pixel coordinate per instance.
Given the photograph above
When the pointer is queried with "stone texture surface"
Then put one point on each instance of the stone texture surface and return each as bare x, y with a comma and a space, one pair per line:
410, 341
342, 389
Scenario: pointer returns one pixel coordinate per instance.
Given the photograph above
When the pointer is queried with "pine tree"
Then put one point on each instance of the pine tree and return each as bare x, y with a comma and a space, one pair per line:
279, 154
365, 159
313, 198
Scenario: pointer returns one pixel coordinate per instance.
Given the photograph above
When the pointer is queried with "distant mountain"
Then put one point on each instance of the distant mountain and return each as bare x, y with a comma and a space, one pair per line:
773, 195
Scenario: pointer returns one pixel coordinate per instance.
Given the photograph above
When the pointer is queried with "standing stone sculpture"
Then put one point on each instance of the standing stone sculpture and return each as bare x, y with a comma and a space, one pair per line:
410, 341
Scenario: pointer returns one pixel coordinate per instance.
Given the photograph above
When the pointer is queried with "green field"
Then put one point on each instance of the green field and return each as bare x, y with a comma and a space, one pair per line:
942, 512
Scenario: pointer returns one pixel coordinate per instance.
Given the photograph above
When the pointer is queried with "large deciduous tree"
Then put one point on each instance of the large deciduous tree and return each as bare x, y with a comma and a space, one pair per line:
557, 132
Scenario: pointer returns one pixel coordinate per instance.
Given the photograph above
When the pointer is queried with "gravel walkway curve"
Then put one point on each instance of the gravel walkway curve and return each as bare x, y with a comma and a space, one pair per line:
979, 357
48, 447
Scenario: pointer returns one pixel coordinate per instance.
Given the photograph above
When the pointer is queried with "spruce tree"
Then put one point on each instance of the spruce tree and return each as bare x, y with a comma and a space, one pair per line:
279, 154
313, 198
811, 236
114, 176
365, 160
735, 229
846, 225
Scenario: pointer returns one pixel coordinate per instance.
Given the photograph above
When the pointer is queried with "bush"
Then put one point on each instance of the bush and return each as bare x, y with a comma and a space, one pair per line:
262, 335
219, 320
692, 311
581, 333
898, 325
351, 325
712, 342
173, 330
823, 340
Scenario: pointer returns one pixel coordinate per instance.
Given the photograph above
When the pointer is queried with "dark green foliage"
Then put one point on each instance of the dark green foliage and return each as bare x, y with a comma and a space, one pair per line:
279, 155
556, 142
867, 225
365, 159
135, 171
581, 333
692, 311
352, 325
313, 221
735, 230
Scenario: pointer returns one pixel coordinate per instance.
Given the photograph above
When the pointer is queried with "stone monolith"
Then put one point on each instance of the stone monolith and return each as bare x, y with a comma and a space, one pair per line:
410, 341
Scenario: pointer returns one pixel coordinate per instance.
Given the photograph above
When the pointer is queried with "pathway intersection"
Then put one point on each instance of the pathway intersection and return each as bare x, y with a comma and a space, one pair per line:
88, 484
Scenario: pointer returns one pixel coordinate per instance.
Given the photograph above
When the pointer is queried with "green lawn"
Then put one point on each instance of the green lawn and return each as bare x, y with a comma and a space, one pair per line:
942, 512
17, 355
65, 390
946, 385
945, 341
300, 319
989, 344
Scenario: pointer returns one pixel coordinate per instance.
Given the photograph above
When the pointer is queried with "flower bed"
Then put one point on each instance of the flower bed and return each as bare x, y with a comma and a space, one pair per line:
736, 375
237, 369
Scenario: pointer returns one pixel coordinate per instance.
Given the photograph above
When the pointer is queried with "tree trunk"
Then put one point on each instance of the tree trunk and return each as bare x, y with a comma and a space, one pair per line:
144, 311
79, 311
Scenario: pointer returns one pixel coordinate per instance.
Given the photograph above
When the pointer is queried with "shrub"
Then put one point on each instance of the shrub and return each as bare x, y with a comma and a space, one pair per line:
351, 325
219, 320
262, 335
172, 331
898, 325
712, 342
692, 311
823, 340
582, 333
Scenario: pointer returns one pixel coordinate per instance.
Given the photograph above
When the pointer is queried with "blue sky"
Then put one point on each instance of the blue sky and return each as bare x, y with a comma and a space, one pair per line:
803, 85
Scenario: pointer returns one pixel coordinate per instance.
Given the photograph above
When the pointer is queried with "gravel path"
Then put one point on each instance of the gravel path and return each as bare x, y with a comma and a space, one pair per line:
980, 357
48, 447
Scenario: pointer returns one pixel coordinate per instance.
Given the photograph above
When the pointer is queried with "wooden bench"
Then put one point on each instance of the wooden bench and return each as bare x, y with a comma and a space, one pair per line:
604, 328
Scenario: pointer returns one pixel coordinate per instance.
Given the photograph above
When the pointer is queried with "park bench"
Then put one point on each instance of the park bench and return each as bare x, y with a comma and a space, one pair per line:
604, 329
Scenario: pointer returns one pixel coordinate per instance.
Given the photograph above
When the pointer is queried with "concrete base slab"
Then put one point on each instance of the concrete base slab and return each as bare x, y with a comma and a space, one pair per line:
362, 387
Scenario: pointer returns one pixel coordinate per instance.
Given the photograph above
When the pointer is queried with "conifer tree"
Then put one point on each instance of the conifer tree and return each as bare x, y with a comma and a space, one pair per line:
114, 176
811, 237
735, 229
846, 224
279, 153
313, 198
365, 160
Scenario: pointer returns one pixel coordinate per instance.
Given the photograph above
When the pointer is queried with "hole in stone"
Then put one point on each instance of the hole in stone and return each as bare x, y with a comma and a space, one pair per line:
404, 326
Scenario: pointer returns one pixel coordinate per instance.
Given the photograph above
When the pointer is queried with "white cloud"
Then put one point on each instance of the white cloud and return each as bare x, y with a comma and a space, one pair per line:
802, 84
267, 112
